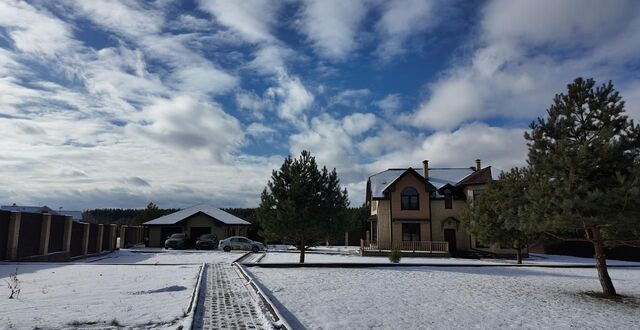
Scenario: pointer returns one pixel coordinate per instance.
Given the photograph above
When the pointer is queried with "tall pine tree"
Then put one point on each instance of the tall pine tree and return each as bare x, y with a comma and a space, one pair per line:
301, 204
584, 156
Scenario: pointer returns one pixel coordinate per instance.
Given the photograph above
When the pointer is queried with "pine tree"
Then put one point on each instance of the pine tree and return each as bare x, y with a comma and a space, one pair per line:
301, 204
496, 216
584, 158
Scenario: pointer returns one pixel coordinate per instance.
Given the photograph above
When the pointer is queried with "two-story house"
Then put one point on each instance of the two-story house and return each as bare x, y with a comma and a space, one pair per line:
419, 209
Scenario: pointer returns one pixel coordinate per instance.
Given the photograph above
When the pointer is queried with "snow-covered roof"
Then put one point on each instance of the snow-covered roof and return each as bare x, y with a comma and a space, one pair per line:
438, 177
28, 209
207, 209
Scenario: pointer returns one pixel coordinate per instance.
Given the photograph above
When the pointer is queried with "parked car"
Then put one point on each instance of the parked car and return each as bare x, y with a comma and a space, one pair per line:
177, 241
240, 243
206, 242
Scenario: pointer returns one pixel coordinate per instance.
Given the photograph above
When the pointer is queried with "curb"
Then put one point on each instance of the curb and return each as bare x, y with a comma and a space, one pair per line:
195, 296
374, 265
279, 321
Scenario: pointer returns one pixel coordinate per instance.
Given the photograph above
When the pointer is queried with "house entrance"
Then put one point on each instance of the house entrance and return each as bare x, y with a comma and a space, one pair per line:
450, 236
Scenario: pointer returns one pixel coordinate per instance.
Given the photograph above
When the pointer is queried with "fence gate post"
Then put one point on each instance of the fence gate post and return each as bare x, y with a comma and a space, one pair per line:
114, 236
85, 238
14, 234
123, 237
45, 230
66, 237
99, 243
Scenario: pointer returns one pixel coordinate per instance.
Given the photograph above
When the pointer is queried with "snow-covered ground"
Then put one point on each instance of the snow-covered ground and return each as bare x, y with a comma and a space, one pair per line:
160, 256
537, 259
455, 297
145, 288
59, 295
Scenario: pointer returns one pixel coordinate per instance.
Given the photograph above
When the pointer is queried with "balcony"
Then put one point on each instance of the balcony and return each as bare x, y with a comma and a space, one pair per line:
439, 248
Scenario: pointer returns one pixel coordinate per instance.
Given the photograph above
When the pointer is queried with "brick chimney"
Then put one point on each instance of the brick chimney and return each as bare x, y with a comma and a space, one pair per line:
478, 165
425, 168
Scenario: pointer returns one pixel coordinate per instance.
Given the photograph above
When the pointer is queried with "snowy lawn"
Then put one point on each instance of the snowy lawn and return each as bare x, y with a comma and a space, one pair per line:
58, 295
455, 297
161, 256
538, 259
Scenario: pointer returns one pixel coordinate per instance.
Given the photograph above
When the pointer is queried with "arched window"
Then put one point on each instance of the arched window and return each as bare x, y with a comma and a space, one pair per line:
410, 199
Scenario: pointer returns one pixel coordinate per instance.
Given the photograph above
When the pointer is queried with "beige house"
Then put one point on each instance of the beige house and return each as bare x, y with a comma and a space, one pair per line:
195, 221
419, 209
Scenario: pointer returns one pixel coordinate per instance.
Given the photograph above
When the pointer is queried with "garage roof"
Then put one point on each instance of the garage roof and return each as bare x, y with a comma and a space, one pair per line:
214, 212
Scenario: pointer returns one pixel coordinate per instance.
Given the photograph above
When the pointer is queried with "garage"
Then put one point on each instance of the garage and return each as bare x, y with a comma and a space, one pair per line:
195, 221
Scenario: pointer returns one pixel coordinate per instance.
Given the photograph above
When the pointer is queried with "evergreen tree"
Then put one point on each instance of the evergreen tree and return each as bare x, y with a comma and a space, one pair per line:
584, 160
152, 211
495, 217
301, 204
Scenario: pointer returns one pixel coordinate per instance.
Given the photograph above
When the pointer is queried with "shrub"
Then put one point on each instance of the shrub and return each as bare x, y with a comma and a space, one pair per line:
13, 284
395, 256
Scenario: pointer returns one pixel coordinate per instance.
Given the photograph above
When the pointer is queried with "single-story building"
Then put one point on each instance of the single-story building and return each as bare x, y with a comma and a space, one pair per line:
195, 221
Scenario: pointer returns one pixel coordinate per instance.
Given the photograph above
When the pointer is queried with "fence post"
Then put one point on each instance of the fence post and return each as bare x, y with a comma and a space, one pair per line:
85, 239
45, 230
13, 235
100, 237
123, 237
114, 236
361, 247
66, 238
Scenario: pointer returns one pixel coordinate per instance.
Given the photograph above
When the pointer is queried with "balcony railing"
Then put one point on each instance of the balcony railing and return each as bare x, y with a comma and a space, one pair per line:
404, 246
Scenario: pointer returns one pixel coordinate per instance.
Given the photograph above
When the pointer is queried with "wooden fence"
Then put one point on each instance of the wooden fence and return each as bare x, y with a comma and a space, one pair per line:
404, 246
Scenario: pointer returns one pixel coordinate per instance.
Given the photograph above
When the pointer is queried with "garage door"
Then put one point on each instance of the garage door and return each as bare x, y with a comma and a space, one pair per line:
196, 232
165, 232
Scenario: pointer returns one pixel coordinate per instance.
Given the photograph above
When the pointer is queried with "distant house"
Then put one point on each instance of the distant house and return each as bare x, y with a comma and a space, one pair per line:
420, 208
77, 215
195, 221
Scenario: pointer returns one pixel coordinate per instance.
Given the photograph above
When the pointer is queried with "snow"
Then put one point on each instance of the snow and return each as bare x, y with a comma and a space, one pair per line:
57, 295
145, 288
537, 259
450, 297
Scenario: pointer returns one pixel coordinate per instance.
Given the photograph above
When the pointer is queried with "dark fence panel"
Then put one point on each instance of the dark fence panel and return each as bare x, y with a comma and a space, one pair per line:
29, 241
5, 216
106, 236
93, 238
56, 233
130, 236
77, 230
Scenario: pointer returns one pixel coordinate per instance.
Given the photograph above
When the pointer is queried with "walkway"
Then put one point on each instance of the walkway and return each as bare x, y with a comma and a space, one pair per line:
226, 303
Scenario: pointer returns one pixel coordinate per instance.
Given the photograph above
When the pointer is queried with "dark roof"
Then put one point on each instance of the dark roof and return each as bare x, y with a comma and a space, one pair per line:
477, 177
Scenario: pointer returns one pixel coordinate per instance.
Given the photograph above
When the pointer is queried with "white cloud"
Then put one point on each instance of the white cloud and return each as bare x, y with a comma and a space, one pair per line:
293, 99
189, 124
354, 98
358, 123
402, 19
332, 25
259, 130
251, 19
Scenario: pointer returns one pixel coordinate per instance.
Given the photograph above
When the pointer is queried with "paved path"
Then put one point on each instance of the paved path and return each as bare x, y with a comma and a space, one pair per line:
226, 303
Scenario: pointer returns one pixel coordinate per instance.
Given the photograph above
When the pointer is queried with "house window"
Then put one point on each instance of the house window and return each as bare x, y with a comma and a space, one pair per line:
477, 193
410, 231
410, 199
448, 199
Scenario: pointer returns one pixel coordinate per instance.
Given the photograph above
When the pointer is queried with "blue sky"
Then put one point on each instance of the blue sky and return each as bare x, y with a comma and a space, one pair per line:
115, 104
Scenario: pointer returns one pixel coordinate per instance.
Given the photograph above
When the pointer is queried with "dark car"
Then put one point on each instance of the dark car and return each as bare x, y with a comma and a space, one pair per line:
207, 242
177, 241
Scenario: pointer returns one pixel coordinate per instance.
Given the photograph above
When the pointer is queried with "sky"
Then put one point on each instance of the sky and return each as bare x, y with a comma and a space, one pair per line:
119, 103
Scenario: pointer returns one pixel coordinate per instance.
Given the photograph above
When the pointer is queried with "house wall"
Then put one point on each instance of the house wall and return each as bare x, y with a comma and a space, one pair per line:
439, 214
396, 201
154, 236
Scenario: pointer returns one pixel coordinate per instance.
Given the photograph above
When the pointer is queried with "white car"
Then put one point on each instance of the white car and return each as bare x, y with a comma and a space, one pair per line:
240, 243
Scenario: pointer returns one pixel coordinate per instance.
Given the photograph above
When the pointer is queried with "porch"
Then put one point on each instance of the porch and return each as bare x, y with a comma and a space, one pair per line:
407, 248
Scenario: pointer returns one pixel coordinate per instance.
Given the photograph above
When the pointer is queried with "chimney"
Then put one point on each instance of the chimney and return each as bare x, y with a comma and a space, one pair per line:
478, 165
425, 168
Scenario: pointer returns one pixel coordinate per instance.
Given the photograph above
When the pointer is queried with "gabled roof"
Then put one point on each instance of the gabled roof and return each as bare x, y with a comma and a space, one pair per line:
214, 212
477, 177
76, 215
438, 177
413, 172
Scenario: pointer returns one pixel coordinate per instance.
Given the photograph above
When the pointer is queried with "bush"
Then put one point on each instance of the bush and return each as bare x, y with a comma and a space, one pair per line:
395, 256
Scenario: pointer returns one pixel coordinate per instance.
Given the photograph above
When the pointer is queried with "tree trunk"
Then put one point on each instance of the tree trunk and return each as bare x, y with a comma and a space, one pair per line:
519, 254
601, 264
301, 248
